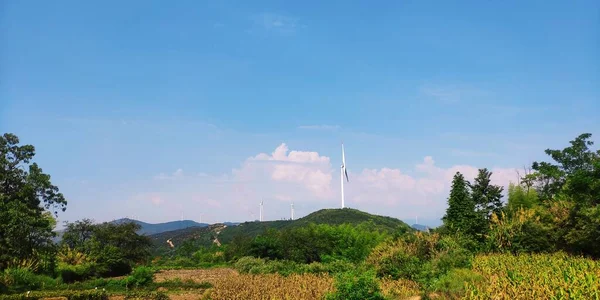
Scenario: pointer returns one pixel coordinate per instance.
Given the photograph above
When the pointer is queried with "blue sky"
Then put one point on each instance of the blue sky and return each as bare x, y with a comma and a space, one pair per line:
151, 109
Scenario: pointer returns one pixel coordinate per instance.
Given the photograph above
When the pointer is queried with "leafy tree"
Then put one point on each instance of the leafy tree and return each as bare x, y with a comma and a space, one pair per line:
486, 196
520, 197
460, 215
77, 234
576, 174
113, 248
26, 193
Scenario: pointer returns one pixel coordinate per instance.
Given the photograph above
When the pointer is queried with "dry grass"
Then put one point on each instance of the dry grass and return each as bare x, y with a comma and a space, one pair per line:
271, 286
197, 275
399, 289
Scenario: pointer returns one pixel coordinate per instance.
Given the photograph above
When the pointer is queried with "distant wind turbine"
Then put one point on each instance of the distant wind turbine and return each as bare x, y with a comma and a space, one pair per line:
343, 173
261, 211
292, 210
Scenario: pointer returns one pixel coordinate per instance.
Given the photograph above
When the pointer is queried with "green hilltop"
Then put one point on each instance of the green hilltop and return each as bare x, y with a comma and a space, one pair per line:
206, 235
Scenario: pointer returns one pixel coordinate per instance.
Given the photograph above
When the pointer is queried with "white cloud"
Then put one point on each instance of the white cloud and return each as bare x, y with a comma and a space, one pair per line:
178, 174
307, 179
278, 23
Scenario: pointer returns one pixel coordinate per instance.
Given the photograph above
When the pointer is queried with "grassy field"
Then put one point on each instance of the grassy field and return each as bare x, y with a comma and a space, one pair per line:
493, 276
497, 276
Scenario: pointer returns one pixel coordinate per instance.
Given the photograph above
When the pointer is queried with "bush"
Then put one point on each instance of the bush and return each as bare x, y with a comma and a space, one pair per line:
356, 286
21, 279
452, 284
141, 276
247, 263
396, 260
73, 273
70, 295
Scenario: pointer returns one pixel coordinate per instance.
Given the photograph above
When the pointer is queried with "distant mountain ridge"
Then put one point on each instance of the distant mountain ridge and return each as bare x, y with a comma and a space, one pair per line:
420, 227
149, 229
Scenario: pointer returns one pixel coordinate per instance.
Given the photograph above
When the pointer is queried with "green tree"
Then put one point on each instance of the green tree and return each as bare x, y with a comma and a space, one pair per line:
77, 234
26, 193
486, 196
576, 172
114, 248
460, 215
572, 181
520, 197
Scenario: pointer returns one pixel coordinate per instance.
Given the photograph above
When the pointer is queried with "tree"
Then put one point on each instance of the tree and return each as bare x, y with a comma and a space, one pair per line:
520, 197
460, 215
77, 234
487, 197
26, 195
576, 173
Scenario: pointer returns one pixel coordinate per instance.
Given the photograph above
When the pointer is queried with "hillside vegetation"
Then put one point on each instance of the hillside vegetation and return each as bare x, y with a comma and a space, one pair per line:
205, 235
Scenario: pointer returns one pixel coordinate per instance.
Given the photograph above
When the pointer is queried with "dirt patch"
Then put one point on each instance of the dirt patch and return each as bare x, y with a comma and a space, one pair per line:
197, 275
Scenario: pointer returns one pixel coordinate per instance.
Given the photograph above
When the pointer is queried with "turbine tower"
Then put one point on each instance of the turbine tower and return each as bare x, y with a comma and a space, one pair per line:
261, 211
292, 210
343, 173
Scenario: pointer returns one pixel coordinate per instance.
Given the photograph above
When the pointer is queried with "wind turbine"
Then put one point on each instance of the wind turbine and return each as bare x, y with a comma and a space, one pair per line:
261, 211
292, 210
343, 173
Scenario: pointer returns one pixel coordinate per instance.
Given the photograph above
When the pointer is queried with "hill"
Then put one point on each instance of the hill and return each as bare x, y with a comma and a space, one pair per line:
420, 227
150, 229
225, 233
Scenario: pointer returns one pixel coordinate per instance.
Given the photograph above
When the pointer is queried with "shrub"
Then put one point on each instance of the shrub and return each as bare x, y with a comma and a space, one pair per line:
356, 286
70, 295
21, 279
453, 283
247, 263
396, 260
140, 276
73, 273
184, 262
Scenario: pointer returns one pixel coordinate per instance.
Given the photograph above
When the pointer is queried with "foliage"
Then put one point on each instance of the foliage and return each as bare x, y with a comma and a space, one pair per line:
105, 249
535, 276
22, 279
399, 288
523, 231
69, 295
460, 215
314, 243
253, 265
453, 283
141, 276
26, 198
361, 285
80, 272
419, 257
486, 196
488, 201
520, 197
245, 232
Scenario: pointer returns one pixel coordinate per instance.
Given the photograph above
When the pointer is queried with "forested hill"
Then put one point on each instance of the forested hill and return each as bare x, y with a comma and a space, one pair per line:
205, 235
149, 229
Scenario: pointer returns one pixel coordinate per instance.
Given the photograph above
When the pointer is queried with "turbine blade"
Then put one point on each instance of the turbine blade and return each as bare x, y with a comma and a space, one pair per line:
346, 173
343, 156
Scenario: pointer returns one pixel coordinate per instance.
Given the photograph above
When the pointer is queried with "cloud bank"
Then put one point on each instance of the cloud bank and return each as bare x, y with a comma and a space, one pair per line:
309, 180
